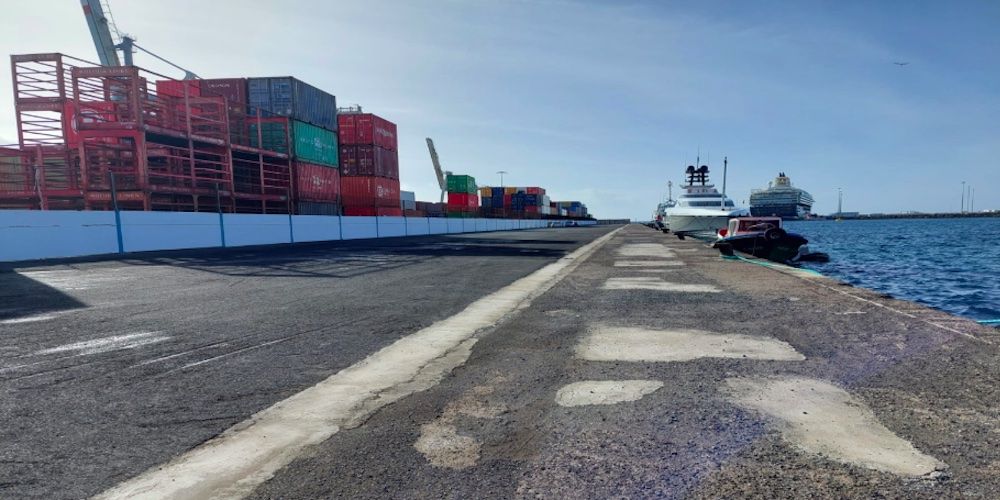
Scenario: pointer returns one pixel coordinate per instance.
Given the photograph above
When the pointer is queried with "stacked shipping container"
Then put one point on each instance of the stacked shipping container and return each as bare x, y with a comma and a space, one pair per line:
233, 144
462, 198
529, 201
369, 164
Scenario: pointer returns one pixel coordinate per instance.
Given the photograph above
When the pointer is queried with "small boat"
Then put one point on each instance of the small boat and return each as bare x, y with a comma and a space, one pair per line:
765, 238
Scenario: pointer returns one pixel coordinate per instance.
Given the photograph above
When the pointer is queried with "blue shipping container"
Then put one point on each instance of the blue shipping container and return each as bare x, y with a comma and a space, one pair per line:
287, 96
498, 192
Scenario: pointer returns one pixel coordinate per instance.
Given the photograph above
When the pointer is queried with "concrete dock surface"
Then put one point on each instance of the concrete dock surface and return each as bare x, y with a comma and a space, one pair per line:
559, 363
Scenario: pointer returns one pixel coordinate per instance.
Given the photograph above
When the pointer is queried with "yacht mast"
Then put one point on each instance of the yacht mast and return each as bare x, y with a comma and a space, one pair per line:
725, 168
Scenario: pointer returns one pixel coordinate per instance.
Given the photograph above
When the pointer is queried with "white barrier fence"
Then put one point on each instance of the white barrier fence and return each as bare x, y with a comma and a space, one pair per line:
31, 234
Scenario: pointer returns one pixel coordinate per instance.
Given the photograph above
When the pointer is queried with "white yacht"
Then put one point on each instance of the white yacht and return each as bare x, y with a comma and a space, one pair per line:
701, 209
660, 215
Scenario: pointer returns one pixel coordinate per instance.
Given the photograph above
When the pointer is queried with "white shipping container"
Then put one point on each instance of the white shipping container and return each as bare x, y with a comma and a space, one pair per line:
408, 196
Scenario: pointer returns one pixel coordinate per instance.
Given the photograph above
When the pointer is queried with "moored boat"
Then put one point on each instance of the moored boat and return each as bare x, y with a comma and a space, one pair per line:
765, 238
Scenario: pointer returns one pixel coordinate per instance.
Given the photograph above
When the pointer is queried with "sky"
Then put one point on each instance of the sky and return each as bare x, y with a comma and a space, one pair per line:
604, 102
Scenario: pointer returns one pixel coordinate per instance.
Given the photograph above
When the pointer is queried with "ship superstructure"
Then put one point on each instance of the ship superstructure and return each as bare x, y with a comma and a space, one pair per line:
781, 199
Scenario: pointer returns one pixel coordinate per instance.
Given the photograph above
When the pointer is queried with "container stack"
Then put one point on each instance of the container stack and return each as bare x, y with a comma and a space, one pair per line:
252, 145
369, 162
573, 209
525, 201
462, 198
431, 209
408, 202
293, 117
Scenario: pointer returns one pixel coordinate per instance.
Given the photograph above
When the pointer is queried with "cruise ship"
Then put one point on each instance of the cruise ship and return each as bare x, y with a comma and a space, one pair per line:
781, 199
701, 209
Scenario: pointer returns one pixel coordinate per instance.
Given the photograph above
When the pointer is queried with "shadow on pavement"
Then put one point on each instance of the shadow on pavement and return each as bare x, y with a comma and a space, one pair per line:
22, 296
347, 259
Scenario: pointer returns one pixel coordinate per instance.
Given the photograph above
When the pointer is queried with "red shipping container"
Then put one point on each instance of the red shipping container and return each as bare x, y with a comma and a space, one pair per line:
233, 89
316, 182
534, 190
373, 211
91, 113
369, 192
463, 201
508, 200
175, 88
360, 211
368, 160
367, 129
531, 209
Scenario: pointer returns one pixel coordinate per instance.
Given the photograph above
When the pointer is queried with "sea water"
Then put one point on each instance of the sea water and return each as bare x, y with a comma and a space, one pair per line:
948, 264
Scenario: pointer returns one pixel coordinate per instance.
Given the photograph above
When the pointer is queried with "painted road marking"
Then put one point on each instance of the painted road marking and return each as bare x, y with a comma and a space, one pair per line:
232, 464
107, 344
605, 392
615, 343
647, 263
823, 419
28, 319
649, 283
645, 250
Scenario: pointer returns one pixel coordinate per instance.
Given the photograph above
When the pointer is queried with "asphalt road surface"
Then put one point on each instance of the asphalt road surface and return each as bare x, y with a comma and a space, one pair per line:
644, 367
110, 368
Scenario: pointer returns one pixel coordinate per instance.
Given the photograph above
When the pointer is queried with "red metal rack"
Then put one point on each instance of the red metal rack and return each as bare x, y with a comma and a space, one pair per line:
80, 123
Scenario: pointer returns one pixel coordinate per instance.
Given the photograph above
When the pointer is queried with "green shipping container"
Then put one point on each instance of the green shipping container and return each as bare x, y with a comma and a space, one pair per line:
272, 134
461, 184
311, 144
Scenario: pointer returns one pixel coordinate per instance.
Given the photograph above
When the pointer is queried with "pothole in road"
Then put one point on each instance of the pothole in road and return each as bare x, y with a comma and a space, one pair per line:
823, 419
649, 283
605, 392
611, 343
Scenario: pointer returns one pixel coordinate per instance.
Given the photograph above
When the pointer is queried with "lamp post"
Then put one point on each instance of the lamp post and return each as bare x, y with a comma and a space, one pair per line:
501, 172
963, 197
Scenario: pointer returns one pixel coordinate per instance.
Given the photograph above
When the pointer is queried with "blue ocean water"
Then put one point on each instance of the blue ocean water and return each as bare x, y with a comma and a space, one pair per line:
948, 264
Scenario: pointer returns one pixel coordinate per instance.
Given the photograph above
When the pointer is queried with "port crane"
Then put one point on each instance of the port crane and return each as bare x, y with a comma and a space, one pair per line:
441, 174
101, 24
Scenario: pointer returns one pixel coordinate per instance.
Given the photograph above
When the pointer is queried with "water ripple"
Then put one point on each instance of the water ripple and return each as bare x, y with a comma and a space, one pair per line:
948, 264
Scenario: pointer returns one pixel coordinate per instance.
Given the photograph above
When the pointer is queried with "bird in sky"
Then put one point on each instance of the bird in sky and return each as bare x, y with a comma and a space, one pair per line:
897, 63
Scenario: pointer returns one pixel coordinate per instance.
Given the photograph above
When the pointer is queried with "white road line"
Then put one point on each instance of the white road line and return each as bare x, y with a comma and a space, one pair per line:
647, 263
249, 453
107, 344
185, 353
28, 319
658, 284
231, 353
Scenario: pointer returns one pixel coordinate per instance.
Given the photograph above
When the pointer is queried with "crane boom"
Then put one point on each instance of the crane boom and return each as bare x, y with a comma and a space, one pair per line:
437, 168
100, 32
